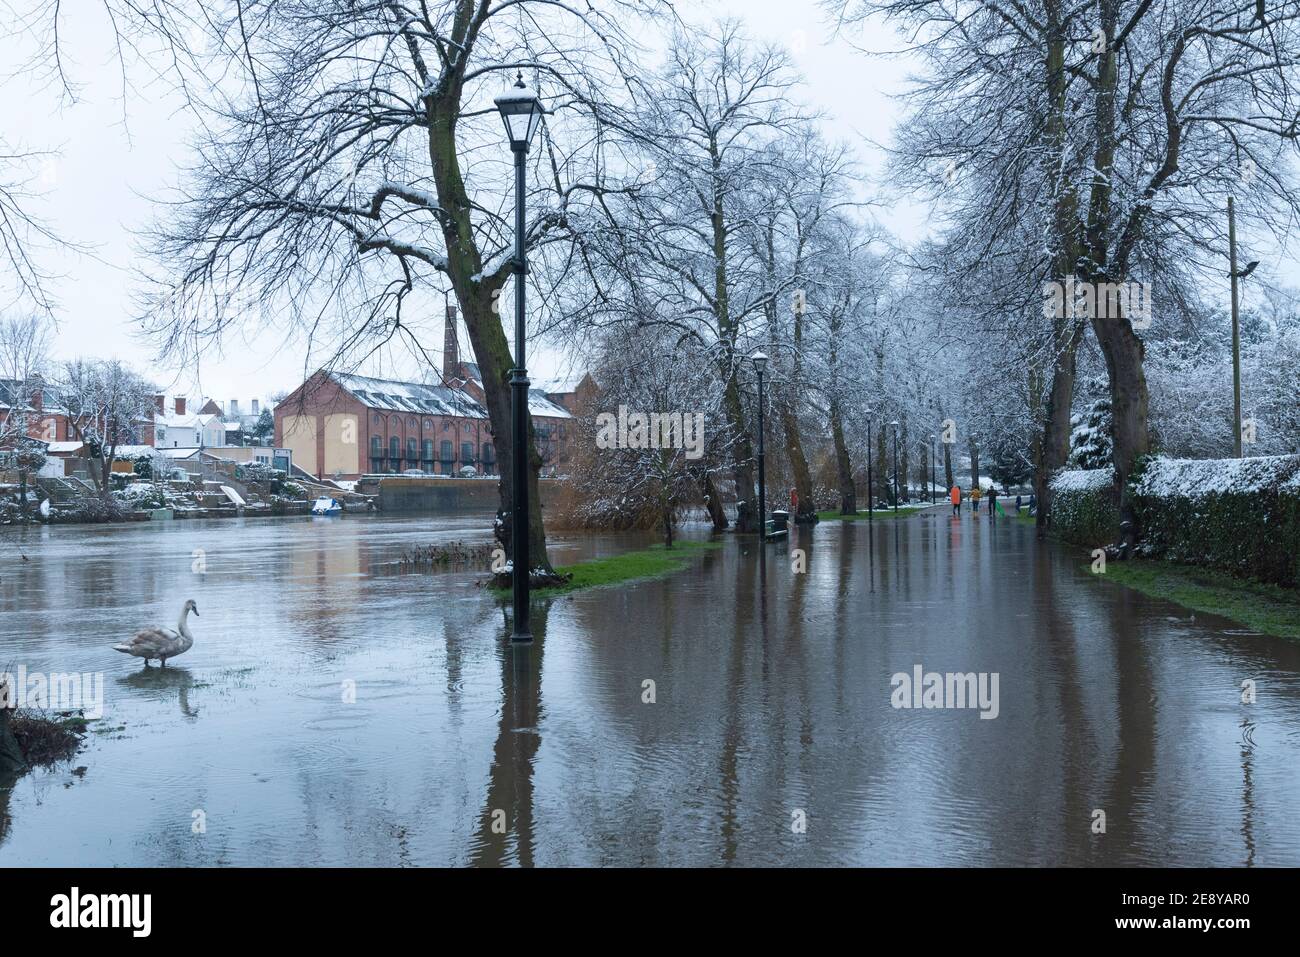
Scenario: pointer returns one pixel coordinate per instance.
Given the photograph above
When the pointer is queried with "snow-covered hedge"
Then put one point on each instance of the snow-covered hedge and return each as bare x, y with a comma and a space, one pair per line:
1084, 509
1242, 515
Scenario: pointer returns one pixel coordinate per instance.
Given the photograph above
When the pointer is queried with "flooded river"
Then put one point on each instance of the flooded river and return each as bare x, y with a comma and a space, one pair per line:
734, 713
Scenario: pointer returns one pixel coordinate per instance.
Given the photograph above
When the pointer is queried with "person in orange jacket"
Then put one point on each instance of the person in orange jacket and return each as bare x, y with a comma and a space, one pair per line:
955, 497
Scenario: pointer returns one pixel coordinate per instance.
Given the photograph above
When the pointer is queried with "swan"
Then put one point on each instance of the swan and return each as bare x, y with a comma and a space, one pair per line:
162, 643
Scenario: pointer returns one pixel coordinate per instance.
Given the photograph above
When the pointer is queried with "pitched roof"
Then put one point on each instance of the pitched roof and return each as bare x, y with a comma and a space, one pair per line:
416, 397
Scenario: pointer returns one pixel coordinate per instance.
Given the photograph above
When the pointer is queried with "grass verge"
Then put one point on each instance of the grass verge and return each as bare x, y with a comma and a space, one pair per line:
1260, 607
653, 562
833, 515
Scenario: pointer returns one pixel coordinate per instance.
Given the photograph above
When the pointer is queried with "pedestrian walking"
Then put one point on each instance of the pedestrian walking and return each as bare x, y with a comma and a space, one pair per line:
993, 499
955, 497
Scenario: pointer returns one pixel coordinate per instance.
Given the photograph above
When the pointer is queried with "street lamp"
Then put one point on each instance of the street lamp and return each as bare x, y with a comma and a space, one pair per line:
933, 474
870, 505
521, 112
894, 426
760, 364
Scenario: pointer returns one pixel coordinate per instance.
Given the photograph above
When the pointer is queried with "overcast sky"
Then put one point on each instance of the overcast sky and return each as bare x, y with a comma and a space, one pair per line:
117, 158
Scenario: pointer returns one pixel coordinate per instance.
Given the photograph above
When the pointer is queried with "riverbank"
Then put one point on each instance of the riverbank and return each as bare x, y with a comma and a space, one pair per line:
653, 562
1268, 609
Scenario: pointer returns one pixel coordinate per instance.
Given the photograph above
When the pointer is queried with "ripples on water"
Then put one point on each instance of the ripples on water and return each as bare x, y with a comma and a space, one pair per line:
770, 702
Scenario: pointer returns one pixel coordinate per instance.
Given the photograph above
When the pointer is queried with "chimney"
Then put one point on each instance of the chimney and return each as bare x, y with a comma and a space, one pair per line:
255, 407
38, 400
160, 401
450, 348
180, 405
234, 407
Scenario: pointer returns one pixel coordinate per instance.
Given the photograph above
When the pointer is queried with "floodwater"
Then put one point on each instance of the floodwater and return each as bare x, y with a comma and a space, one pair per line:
771, 739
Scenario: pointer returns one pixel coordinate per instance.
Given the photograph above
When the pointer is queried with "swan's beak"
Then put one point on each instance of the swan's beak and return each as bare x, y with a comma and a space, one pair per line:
195, 609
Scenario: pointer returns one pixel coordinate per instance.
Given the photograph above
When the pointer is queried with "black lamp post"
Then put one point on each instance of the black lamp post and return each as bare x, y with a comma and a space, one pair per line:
760, 364
933, 475
894, 426
870, 504
521, 112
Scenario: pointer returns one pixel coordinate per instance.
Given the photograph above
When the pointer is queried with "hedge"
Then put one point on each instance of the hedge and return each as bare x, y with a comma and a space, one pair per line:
1239, 515
1084, 507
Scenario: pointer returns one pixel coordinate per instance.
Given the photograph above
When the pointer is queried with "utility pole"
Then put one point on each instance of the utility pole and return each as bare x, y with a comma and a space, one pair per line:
1236, 332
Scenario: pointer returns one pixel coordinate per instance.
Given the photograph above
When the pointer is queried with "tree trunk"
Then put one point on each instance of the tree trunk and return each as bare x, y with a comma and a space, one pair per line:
806, 511
949, 482
1124, 353
882, 465
843, 465
1054, 446
713, 502
487, 337
744, 458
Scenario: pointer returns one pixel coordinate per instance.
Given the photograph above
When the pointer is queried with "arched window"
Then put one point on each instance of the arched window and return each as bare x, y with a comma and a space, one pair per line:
395, 454
376, 454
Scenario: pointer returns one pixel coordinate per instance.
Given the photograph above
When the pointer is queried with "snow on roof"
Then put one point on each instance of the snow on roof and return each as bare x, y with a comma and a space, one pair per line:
1196, 477
173, 421
539, 404
560, 385
416, 397
63, 448
134, 451
187, 453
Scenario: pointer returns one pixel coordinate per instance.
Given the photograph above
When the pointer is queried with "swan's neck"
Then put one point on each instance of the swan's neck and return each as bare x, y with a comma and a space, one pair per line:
182, 627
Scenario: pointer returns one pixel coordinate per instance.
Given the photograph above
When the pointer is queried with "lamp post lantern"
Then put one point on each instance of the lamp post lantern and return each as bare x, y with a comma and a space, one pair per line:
521, 112
760, 365
894, 426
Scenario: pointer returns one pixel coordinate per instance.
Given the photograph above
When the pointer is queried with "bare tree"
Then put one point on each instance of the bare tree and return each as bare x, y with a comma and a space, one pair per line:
24, 364
108, 406
679, 248
353, 165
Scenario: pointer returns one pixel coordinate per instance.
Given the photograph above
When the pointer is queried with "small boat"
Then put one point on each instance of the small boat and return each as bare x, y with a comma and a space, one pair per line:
326, 506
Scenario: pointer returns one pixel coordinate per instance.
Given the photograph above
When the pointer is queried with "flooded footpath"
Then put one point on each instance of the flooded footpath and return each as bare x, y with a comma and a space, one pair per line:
332, 711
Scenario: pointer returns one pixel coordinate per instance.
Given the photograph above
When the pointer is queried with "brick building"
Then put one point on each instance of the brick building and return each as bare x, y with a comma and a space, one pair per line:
341, 425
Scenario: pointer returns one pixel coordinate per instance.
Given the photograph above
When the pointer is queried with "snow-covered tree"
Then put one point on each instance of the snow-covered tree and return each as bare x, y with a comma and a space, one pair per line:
108, 405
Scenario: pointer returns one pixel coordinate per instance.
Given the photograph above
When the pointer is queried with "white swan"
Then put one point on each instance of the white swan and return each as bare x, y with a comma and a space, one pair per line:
162, 643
